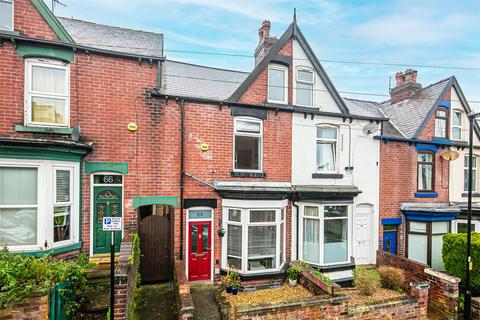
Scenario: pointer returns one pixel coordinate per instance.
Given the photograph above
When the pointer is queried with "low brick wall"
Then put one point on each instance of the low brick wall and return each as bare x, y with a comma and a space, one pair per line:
182, 292
333, 307
125, 282
35, 308
444, 289
476, 308
312, 283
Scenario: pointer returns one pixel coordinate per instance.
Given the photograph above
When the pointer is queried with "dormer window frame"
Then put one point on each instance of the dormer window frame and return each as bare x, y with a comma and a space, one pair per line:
455, 112
305, 82
439, 118
284, 69
5, 28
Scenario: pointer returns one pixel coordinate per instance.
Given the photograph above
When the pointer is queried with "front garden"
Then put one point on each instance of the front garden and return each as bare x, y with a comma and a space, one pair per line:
307, 293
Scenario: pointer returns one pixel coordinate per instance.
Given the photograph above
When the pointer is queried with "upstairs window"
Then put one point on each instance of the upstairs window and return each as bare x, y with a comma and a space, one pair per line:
474, 173
6, 15
304, 90
457, 125
441, 122
425, 171
277, 84
47, 92
248, 144
326, 148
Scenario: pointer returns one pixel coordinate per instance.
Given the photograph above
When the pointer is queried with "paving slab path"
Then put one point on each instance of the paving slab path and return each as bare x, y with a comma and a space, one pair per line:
206, 307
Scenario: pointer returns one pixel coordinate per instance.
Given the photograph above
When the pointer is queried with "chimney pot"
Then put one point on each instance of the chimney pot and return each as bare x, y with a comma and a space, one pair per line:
399, 76
265, 42
407, 86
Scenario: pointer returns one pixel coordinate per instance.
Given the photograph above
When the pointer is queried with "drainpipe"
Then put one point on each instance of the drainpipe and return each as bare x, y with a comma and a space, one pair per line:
182, 170
159, 75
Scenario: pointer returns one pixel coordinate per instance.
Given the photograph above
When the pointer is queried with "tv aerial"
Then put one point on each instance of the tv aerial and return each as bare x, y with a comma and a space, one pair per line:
55, 2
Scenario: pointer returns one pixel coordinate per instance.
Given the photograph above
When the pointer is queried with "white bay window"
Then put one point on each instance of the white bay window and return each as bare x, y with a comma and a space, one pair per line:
325, 232
255, 238
38, 204
47, 91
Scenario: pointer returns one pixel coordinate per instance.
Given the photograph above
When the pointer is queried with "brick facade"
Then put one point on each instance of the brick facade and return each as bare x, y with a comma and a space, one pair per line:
33, 308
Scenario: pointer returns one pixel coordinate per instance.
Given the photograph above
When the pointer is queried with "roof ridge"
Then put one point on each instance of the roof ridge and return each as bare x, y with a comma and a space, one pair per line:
369, 101
208, 67
107, 25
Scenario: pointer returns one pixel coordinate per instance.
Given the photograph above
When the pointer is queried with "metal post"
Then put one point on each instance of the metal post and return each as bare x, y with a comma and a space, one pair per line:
112, 276
468, 295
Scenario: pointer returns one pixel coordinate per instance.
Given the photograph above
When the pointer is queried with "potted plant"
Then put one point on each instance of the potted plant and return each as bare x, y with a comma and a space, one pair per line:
292, 275
221, 232
235, 285
227, 281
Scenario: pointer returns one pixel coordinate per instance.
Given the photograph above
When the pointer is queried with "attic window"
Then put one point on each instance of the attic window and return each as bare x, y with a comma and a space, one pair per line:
441, 122
277, 84
6, 15
304, 90
457, 125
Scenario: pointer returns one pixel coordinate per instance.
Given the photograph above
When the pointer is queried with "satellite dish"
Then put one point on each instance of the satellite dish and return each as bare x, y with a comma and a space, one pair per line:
75, 134
450, 155
370, 128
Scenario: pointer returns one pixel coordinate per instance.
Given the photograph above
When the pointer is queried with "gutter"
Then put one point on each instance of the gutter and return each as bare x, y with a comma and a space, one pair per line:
386, 139
275, 107
77, 47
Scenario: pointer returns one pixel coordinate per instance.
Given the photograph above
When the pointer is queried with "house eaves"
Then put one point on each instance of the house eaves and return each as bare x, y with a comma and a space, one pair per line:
52, 21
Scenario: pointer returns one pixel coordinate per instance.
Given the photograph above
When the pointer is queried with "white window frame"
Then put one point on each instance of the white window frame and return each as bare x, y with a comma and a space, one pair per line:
245, 208
331, 141
63, 204
321, 218
474, 173
475, 223
285, 93
45, 202
454, 112
52, 64
246, 134
312, 83
13, 15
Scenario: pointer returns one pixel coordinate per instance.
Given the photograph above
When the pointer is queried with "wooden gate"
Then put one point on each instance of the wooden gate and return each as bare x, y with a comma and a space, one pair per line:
155, 245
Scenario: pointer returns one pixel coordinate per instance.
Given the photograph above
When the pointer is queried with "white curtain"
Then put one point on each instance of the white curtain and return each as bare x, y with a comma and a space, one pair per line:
417, 247
311, 240
325, 156
425, 177
48, 80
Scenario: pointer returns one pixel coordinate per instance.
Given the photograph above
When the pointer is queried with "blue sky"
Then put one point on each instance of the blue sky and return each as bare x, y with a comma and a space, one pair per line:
409, 32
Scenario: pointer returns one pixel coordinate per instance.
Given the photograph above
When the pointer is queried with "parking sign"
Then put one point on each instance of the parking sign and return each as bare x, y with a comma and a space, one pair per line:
112, 224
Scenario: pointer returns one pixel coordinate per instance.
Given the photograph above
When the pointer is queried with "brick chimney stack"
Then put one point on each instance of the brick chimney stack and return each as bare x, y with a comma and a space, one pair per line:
406, 85
265, 42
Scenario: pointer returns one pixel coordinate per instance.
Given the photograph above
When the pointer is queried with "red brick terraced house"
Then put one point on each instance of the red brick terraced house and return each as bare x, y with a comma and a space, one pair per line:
205, 163
421, 185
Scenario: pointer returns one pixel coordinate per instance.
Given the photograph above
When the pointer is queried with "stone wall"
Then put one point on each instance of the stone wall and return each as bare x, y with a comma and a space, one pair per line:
35, 308
182, 292
444, 289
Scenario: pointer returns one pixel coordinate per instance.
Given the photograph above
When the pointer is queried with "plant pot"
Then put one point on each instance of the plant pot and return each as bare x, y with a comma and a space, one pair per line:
292, 282
228, 289
234, 291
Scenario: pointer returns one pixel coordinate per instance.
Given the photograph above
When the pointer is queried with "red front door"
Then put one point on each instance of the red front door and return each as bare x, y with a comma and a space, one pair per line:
199, 250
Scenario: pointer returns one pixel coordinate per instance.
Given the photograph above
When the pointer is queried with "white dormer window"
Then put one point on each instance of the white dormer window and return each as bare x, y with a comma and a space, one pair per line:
6, 15
304, 88
47, 93
277, 84
457, 125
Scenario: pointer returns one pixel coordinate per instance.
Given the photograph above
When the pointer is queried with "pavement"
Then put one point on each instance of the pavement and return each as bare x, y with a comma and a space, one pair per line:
156, 301
203, 295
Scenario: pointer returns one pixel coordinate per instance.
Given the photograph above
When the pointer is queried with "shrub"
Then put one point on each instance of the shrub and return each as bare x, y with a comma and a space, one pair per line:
22, 276
391, 277
293, 273
367, 281
454, 254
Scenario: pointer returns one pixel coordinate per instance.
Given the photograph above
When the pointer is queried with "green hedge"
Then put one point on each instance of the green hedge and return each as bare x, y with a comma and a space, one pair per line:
454, 253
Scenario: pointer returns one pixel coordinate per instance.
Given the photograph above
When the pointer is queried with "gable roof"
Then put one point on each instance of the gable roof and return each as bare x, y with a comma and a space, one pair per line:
363, 108
114, 39
195, 81
292, 31
52, 21
408, 117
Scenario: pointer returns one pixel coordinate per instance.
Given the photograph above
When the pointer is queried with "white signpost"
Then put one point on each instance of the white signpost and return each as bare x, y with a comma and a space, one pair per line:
112, 224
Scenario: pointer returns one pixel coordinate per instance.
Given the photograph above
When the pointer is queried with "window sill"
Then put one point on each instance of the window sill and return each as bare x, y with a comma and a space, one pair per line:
54, 130
55, 251
474, 194
426, 195
242, 174
261, 275
9, 32
327, 176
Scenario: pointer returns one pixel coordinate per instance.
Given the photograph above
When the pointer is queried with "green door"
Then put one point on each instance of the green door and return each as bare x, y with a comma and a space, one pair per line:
107, 203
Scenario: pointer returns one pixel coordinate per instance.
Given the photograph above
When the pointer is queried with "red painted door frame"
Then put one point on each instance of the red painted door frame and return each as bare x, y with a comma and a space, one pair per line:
199, 250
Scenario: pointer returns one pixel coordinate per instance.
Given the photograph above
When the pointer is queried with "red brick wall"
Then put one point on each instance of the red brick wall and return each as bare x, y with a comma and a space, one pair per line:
29, 22
31, 308
444, 290
398, 182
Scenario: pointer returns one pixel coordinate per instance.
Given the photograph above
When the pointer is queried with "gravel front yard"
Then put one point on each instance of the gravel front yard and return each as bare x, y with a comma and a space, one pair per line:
381, 295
